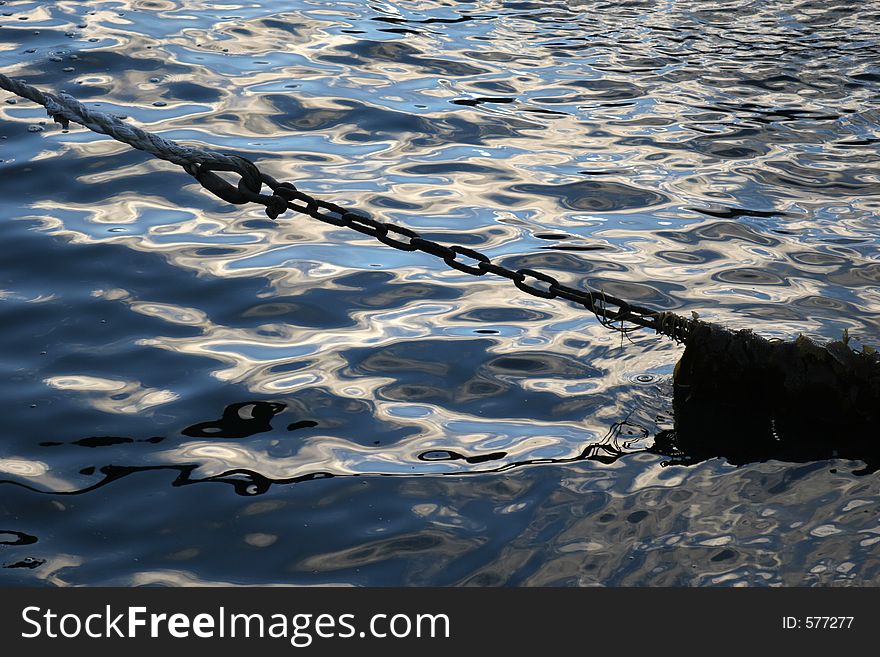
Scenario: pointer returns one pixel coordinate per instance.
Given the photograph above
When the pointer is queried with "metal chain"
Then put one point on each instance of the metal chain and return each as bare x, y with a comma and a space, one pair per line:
612, 312
609, 309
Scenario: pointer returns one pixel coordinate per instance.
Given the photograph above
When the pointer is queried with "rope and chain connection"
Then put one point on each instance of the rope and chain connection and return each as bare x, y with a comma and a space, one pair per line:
612, 312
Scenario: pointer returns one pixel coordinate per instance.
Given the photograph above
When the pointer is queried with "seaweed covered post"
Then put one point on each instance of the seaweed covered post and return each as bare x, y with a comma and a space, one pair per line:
746, 398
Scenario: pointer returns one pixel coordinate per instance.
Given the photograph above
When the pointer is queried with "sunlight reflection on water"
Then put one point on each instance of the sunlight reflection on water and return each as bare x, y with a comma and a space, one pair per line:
714, 157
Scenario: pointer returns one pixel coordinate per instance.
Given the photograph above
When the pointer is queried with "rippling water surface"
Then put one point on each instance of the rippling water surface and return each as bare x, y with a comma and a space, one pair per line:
194, 394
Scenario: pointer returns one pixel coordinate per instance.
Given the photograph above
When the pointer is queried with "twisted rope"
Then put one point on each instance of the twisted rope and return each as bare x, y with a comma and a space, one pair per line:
64, 108
201, 163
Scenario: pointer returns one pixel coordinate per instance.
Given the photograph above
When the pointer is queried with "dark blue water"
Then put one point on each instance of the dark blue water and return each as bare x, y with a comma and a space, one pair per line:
192, 394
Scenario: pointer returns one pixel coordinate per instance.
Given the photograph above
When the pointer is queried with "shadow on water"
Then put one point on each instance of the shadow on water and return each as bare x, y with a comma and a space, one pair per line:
739, 441
244, 419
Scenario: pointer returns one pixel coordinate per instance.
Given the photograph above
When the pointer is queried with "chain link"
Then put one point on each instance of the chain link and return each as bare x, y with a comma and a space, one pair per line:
611, 311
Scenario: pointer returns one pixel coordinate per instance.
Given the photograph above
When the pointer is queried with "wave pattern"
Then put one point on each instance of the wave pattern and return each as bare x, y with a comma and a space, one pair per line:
712, 157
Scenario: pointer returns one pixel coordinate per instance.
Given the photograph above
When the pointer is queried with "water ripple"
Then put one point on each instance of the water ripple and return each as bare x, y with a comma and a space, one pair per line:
401, 422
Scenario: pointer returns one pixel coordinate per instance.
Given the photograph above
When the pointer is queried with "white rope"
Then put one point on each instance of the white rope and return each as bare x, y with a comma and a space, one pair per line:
64, 108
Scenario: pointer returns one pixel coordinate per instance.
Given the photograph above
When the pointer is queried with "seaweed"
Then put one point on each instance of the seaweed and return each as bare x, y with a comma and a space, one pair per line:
746, 398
